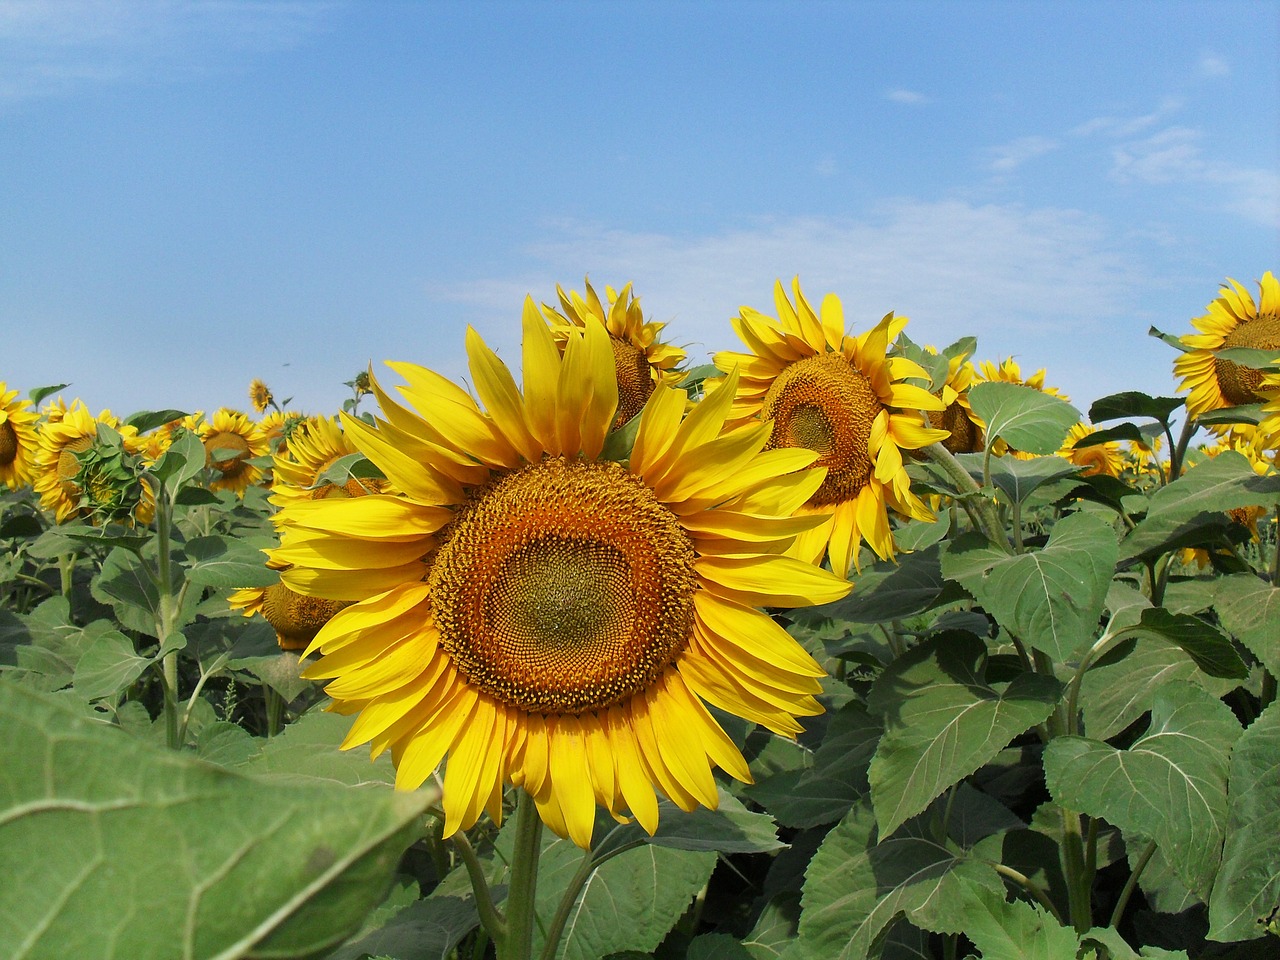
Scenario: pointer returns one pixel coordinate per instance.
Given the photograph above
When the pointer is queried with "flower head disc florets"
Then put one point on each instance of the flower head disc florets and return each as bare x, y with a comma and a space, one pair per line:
545, 617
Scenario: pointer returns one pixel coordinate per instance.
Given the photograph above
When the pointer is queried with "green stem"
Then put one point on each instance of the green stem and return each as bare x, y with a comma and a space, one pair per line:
492, 921
1036, 891
1131, 884
169, 673
982, 508
1161, 579
275, 710
66, 569
1079, 884
517, 944
1275, 557
1176, 455
1017, 528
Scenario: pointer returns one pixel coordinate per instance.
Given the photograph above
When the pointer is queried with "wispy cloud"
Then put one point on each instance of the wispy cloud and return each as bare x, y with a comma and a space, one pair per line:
55, 48
911, 97
1015, 277
1212, 65
1121, 126
1007, 157
1176, 155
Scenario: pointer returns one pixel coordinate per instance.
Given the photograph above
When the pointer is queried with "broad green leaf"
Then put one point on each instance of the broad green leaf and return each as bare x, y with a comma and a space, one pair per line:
889, 591
716, 946
824, 791
183, 461
1249, 609
1118, 948
775, 928
426, 929
41, 649
279, 671
1168, 338
1210, 488
1131, 403
1018, 479
125, 582
1121, 431
1016, 930
1115, 694
228, 563
113, 848
37, 394
307, 750
1024, 417
1171, 785
108, 666
858, 884
1205, 644
146, 420
1249, 413
1249, 357
943, 721
1248, 889
1050, 598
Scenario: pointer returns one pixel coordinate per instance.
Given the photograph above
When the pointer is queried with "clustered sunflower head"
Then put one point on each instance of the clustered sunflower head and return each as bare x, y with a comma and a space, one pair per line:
1096, 459
58, 461
260, 395
231, 442
546, 617
641, 361
1234, 319
842, 397
312, 446
19, 439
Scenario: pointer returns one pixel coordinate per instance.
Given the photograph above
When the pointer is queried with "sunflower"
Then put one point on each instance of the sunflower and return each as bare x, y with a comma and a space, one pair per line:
112, 488
312, 446
965, 428
295, 618
1269, 425
275, 427
260, 395
641, 361
231, 440
1099, 459
549, 618
18, 438
1233, 320
842, 397
1263, 462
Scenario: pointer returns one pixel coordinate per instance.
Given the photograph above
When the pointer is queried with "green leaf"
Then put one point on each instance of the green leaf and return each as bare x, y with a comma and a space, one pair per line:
1017, 930
1205, 644
37, 394
858, 884
1249, 609
731, 828
716, 946
114, 849
1248, 357
1024, 417
888, 591
1114, 695
695, 375
108, 666
228, 563
1248, 889
125, 582
279, 671
1017, 479
308, 750
943, 721
183, 461
1131, 403
1121, 431
1198, 498
619, 443
146, 420
1049, 598
824, 791
426, 929
1248, 413
1171, 785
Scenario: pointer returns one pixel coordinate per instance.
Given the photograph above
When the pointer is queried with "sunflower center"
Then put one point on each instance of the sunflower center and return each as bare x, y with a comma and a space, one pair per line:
231, 449
1240, 384
564, 587
635, 381
296, 618
965, 435
8, 444
827, 405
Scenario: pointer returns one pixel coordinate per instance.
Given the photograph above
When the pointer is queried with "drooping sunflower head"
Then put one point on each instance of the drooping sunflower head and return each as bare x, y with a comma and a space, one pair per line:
77, 475
295, 618
260, 395
19, 439
548, 618
310, 447
276, 427
1234, 319
641, 360
1097, 459
842, 397
231, 441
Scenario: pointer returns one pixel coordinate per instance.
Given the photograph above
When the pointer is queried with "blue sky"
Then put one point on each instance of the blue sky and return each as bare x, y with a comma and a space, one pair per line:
196, 194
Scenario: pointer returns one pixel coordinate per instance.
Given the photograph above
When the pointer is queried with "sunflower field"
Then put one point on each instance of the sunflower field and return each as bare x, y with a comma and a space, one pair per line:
839, 646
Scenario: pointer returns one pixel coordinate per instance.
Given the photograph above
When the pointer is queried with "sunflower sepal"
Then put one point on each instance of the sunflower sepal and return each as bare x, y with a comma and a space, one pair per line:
619, 443
1169, 338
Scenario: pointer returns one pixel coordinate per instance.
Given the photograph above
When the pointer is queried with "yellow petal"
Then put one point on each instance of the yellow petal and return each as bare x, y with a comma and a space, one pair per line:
774, 581
501, 398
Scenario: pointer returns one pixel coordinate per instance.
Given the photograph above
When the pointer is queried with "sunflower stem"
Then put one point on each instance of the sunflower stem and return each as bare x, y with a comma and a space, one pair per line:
983, 507
1131, 884
1176, 455
1275, 556
66, 568
492, 921
517, 941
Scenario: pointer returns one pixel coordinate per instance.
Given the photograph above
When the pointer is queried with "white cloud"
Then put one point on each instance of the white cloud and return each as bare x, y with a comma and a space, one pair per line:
1175, 155
1212, 65
1007, 157
1017, 278
912, 97
49, 48
1127, 126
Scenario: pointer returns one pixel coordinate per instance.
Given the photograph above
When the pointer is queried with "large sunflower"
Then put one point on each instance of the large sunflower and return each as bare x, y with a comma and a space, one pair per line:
309, 448
641, 361
842, 397
1233, 320
549, 618
19, 440
56, 462
231, 441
